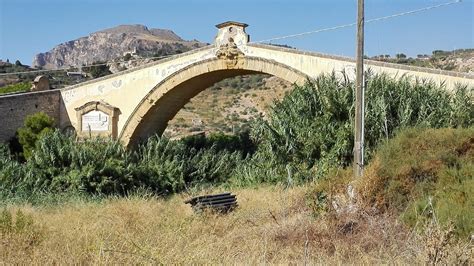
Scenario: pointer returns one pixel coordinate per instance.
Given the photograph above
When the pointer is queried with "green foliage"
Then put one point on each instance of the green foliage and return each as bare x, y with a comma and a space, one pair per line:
20, 223
6, 221
245, 82
99, 69
422, 167
441, 53
222, 142
18, 87
59, 164
400, 56
312, 127
127, 57
34, 127
11, 173
173, 166
421, 174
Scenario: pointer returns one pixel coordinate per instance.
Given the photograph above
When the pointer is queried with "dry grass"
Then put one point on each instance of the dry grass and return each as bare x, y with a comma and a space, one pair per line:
272, 225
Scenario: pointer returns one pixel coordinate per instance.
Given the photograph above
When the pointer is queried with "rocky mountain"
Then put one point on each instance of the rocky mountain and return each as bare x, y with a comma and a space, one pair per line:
113, 43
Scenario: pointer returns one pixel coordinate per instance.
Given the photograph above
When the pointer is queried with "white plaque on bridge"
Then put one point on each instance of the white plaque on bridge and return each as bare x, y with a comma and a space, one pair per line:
95, 121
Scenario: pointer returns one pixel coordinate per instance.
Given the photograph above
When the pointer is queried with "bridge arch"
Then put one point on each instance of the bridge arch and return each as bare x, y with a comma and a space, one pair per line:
161, 104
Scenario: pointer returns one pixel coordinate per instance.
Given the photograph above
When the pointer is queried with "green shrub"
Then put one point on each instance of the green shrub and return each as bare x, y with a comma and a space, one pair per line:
422, 167
95, 166
222, 142
312, 127
34, 127
11, 173
171, 166
18, 87
422, 175
19, 223
21, 226
59, 164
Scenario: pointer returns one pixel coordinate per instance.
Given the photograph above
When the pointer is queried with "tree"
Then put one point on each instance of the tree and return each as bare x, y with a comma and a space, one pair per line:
35, 126
99, 69
127, 57
401, 56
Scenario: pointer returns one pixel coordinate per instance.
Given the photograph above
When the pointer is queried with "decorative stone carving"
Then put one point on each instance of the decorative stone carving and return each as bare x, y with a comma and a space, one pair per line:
229, 52
97, 119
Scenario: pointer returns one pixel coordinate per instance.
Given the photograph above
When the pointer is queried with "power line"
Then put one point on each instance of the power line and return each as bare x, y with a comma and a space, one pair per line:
355, 23
85, 66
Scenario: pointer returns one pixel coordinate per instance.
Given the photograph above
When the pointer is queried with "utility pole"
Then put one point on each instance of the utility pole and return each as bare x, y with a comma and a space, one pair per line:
359, 94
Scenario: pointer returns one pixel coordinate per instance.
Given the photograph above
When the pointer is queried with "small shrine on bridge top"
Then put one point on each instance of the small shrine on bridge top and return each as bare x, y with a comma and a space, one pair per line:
231, 32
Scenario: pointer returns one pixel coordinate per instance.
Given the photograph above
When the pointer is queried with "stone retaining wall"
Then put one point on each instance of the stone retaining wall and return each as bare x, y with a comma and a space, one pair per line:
15, 107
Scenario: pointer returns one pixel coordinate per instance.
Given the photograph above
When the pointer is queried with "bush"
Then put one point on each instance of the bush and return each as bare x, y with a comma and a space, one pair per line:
171, 166
422, 167
421, 175
11, 173
312, 127
18, 87
308, 133
95, 166
34, 127
59, 165
99, 69
18, 223
222, 142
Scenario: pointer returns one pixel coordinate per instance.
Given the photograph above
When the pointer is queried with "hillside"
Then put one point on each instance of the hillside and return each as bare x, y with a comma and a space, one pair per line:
7, 67
109, 44
229, 105
460, 60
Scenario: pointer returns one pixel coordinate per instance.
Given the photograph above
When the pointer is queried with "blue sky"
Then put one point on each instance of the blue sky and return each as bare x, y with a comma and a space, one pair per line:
28, 27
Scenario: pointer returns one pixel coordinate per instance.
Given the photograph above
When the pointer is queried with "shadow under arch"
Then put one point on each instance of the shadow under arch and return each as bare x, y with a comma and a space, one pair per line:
161, 104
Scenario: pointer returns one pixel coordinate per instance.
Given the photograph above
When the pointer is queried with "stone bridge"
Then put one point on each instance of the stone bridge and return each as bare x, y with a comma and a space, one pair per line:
134, 104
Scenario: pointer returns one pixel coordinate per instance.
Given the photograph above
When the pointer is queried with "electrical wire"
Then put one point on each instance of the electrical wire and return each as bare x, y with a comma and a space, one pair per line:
355, 23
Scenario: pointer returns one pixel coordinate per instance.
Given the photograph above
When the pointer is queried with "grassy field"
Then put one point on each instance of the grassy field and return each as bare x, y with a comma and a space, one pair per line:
18, 87
271, 225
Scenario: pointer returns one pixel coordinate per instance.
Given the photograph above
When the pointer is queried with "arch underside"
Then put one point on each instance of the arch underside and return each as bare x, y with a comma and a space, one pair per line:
156, 120
166, 99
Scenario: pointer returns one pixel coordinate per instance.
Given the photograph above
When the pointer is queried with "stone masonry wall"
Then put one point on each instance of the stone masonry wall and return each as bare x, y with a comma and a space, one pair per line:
15, 107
